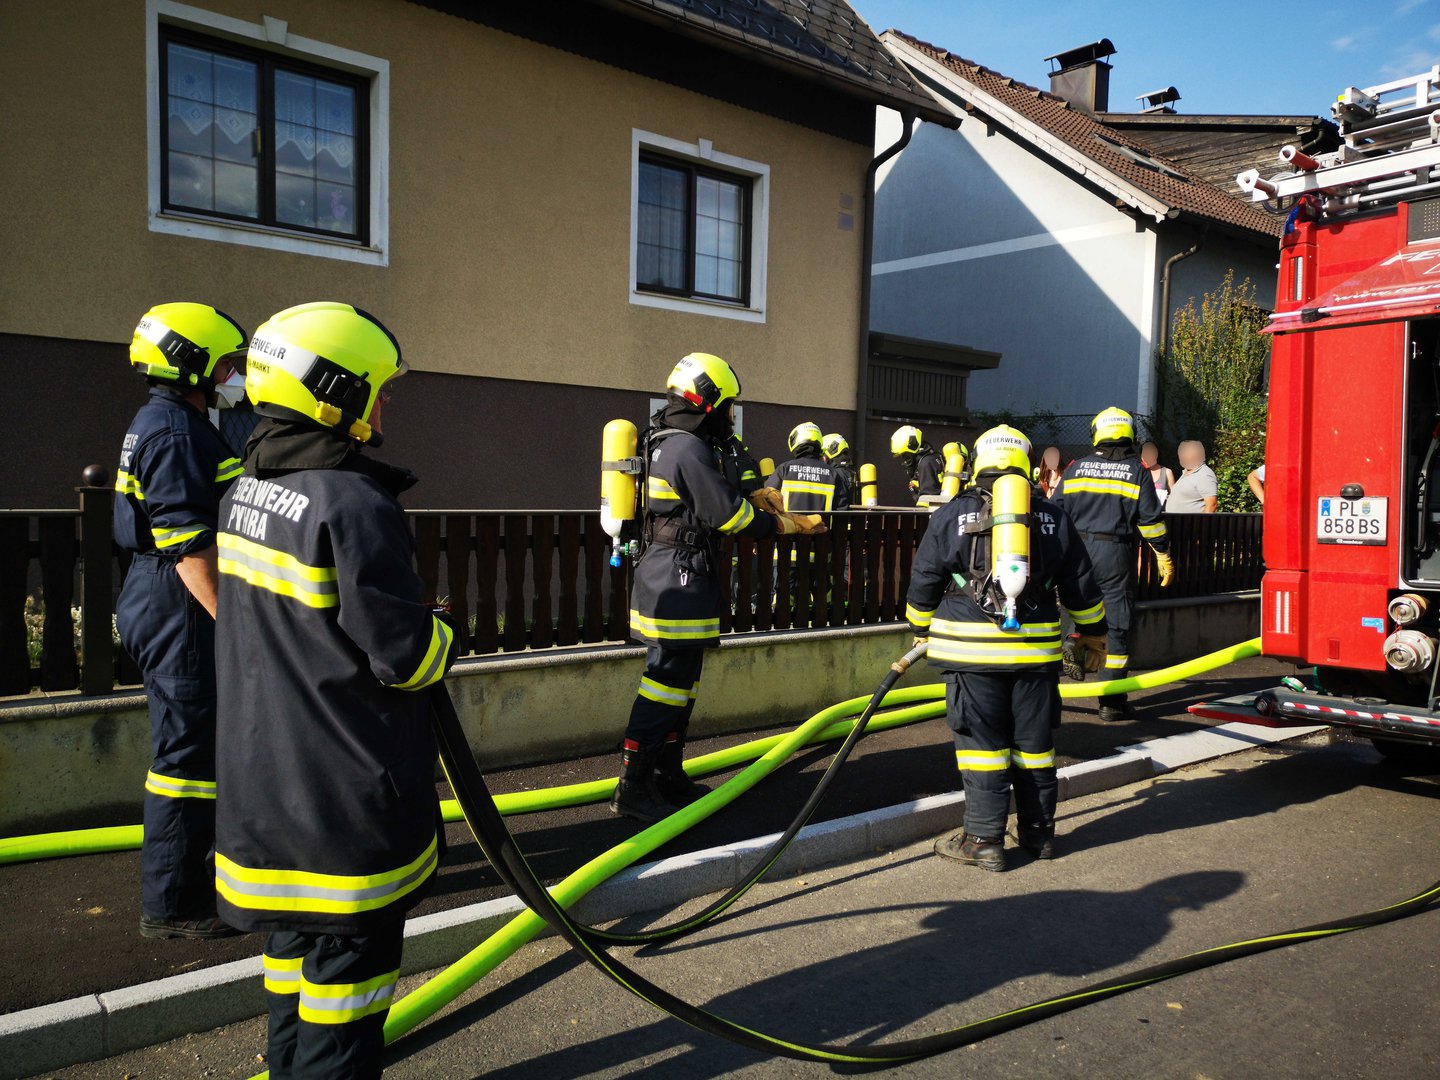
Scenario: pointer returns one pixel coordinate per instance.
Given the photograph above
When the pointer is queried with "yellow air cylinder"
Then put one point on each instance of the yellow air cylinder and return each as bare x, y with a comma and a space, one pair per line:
869, 486
618, 482
767, 466
1010, 541
954, 467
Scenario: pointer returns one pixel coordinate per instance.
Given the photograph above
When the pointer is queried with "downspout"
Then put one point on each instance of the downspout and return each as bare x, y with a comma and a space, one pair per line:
862, 383
1163, 345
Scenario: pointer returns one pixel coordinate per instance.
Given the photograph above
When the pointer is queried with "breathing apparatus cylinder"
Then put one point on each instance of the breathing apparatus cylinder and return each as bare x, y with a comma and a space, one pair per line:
954, 466
869, 485
767, 467
1010, 541
619, 486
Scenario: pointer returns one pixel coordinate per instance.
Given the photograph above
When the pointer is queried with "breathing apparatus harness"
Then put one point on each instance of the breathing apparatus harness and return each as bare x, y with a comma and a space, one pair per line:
979, 583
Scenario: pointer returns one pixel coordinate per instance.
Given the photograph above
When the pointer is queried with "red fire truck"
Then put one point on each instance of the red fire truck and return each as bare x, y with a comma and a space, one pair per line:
1352, 481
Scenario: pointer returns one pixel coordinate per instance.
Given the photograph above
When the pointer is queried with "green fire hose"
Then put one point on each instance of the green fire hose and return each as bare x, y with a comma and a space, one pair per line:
929, 702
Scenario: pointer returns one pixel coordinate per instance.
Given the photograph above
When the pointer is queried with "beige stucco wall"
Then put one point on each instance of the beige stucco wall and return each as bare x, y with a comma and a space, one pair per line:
509, 205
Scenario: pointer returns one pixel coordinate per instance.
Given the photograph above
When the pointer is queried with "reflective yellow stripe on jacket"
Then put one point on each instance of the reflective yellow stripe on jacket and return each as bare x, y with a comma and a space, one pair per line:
228, 469
126, 484
674, 629
277, 571
168, 538
175, 787
301, 890
1153, 532
985, 644
806, 487
1088, 615
432, 667
658, 490
919, 619
741, 518
1096, 486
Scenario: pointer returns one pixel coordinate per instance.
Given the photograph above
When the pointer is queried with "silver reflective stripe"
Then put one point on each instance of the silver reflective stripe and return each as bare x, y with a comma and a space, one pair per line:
281, 573
323, 892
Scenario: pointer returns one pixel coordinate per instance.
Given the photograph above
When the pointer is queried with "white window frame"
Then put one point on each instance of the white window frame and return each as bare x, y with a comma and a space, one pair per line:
759, 175
273, 35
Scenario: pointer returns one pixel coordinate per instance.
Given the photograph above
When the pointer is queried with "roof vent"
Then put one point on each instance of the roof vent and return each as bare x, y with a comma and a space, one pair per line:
1081, 76
1159, 101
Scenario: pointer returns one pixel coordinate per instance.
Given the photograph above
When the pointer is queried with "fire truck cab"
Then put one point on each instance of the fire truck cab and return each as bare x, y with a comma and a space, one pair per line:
1352, 475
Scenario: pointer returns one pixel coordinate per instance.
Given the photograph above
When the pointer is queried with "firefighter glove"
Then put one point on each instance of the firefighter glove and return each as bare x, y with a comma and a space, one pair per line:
1092, 652
785, 525
767, 498
1166, 565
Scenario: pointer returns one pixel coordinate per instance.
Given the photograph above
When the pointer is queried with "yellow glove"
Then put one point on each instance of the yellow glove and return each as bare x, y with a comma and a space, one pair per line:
767, 498
785, 525
1092, 652
1166, 565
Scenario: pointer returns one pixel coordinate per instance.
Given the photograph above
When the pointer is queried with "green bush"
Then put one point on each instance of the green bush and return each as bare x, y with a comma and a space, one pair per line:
1213, 378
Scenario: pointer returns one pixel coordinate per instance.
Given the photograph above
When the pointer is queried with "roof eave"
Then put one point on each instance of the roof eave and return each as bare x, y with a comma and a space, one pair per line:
1118, 186
723, 37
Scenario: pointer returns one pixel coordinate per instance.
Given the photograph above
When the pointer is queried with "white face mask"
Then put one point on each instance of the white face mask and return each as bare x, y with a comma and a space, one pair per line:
231, 392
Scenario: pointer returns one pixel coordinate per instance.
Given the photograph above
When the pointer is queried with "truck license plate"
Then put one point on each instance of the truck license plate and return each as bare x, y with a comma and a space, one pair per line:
1352, 521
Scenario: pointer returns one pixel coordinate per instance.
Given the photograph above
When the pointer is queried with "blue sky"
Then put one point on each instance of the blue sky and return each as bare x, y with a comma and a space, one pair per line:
1225, 56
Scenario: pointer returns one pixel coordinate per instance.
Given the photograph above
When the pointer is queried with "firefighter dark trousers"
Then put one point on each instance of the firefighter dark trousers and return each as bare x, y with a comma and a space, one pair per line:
666, 698
1004, 740
172, 638
1115, 566
328, 996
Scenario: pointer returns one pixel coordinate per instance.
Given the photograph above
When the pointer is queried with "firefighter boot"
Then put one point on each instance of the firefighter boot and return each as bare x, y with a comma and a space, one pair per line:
985, 852
637, 795
1038, 840
671, 780
1115, 707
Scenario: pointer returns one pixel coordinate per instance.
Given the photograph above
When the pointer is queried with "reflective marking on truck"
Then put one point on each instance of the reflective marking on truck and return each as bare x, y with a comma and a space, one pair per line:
1282, 612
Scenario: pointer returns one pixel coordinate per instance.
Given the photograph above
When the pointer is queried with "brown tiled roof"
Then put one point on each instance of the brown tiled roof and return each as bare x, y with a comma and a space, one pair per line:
825, 37
1169, 183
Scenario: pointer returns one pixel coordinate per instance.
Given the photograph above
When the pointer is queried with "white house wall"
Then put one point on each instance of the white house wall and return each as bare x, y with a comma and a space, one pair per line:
981, 242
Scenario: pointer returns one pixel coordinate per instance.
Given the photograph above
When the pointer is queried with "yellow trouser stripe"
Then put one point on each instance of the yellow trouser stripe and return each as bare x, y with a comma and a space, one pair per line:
674, 629
1089, 614
277, 571
915, 617
1117, 661
1153, 532
983, 760
282, 973
432, 667
742, 517
341, 1003
1022, 760
302, 890
165, 538
174, 787
1096, 486
665, 695
229, 469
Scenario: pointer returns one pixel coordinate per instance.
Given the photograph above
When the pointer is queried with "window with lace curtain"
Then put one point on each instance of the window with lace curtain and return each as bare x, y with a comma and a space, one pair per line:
254, 137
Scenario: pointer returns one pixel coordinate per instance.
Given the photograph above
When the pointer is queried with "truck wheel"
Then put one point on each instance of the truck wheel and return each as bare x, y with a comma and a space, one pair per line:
1412, 756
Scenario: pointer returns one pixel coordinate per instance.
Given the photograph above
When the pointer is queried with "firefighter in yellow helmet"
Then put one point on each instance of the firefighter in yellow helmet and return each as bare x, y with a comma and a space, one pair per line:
808, 483
1001, 685
835, 449
326, 821
173, 470
690, 505
924, 465
1109, 497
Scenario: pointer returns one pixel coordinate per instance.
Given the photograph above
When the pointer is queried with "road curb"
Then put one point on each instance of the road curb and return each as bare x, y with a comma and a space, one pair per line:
101, 1025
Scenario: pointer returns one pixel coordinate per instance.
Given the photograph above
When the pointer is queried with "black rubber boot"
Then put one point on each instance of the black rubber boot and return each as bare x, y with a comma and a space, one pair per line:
988, 853
671, 780
1115, 708
202, 929
1037, 840
636, 795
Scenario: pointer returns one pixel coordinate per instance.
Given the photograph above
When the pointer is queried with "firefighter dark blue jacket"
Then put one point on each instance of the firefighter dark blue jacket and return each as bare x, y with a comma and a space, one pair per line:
174, 467
326, 817
1109, 494
810, 485
926, 469
963, 635
690, 505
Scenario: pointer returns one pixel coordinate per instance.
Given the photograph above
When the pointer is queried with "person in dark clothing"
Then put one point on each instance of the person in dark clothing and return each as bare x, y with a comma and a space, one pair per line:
690, 504
835, 449
1002, 687
924, 465
1111, 499
326, 821
807, 483
174, 468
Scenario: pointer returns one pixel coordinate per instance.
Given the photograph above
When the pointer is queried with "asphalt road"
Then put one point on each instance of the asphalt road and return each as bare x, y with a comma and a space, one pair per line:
904, 944
83, 913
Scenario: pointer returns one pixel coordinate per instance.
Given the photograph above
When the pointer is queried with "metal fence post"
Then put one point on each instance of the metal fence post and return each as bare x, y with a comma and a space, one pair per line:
97, 673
